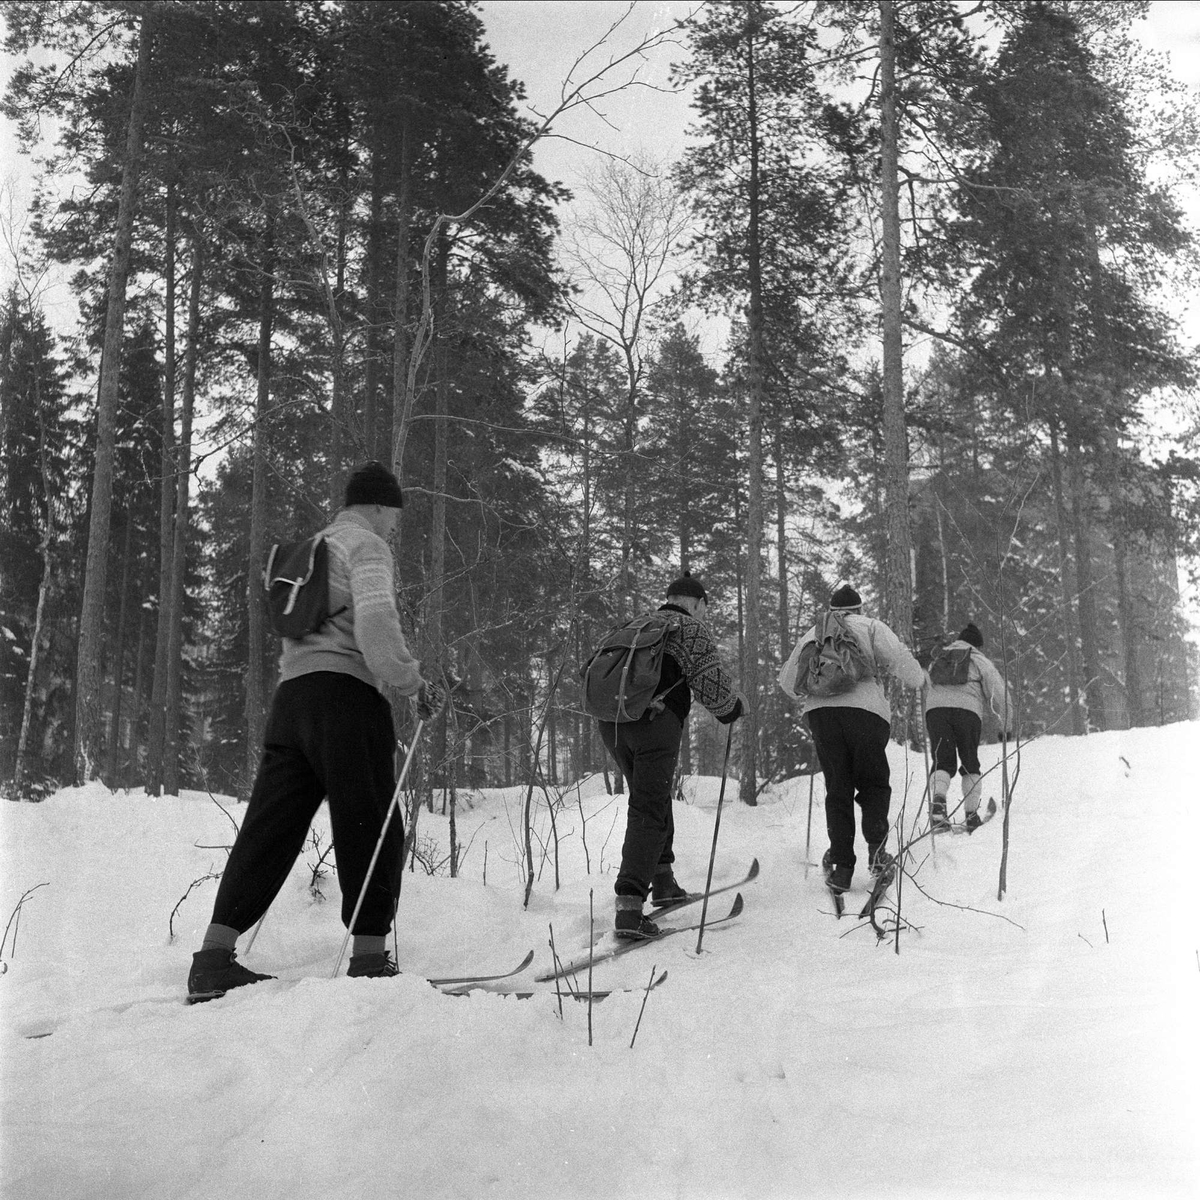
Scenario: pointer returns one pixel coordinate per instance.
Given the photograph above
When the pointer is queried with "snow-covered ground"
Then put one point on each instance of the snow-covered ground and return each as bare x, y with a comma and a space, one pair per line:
1044, 1045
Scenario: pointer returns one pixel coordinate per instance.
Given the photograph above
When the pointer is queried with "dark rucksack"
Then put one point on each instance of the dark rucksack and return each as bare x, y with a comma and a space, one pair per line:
833, 662
622, 677
296, 579
950, 667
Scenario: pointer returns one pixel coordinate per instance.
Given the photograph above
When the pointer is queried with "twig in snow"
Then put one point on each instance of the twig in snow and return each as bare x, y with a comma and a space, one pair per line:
191, 886
15, 916
645, 997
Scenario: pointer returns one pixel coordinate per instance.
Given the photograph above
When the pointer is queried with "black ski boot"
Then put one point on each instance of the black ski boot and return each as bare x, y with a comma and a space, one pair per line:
666, 890
938, 821
973, 821
630, 924
372, 966
837, 878
215, 972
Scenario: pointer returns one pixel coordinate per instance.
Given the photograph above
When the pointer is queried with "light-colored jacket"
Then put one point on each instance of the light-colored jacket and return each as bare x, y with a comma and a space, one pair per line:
364, 639
984, 686
882, 647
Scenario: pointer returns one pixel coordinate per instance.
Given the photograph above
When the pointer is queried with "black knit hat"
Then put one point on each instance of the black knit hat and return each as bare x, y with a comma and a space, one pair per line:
972, 635
845, 597
685, 585
373, 483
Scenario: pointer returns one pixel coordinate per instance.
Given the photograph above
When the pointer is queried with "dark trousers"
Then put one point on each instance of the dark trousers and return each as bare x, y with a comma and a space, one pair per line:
953, 735
646, 752
328, 735
851, 744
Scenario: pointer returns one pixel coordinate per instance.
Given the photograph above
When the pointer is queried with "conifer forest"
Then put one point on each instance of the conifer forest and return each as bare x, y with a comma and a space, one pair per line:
904, 313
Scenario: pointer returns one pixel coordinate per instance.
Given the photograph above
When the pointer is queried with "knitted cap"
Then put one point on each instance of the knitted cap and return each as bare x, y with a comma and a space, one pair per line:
973, 636
373, 483
845, 597
685, 585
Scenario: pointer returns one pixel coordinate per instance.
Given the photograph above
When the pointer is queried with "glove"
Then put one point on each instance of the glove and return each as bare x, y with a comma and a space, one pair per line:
430, 699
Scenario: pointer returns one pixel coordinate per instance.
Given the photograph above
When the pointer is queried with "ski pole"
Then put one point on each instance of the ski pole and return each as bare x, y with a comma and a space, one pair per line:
808, 835
250, 943
387, 820
716, 829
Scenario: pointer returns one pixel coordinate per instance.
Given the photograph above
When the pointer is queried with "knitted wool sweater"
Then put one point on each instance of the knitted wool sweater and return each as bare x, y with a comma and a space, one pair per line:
691, 665
364, 639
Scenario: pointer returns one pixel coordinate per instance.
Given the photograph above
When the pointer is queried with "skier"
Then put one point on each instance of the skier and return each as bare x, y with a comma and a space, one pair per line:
646, 751
329, 735
850, 731
962, 681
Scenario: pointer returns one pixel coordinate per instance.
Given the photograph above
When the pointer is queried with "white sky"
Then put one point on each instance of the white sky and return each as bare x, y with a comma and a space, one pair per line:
540, 41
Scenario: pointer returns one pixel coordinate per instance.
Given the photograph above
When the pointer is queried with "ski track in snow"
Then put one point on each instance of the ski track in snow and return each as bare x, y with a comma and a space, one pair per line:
1018, 1057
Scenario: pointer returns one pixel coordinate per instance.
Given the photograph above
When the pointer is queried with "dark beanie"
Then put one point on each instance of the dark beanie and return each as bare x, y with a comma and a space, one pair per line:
685, 585
972, 635
373, 483
845, 597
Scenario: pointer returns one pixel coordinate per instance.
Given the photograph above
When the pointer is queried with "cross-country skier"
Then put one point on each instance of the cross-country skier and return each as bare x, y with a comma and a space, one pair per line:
646, 750
850, 731
954, 718
328, 736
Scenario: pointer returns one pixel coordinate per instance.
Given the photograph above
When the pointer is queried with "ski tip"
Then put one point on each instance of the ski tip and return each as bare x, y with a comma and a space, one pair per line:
525, 962
991, 807
738, 905
753, 872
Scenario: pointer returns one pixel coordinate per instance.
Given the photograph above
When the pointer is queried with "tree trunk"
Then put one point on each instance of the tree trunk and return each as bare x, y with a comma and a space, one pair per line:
754, 514
255, 700
45, 547
166, 517
88, 698
374, 307
179, 553
1062, 523
402, 401
898, 581
1086, 596
114, 720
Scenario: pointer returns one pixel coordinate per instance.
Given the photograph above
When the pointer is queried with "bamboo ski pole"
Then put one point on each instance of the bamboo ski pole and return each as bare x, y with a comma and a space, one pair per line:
387, 820
716, 829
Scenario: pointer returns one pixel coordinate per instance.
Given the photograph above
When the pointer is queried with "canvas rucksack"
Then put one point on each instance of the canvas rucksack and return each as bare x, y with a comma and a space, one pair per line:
833, 662
950, 667
296, 579
622, 677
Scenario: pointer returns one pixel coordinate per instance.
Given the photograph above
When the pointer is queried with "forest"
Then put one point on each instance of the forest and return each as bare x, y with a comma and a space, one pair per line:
945, 246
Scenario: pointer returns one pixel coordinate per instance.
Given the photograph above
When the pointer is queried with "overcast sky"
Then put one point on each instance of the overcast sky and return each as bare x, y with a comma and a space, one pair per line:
540, 41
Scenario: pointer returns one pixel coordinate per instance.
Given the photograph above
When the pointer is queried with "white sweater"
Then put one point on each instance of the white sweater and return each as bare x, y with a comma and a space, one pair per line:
882, 647
984, 686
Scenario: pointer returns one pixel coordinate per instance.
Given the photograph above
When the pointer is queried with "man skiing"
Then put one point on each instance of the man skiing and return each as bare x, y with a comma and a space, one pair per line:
646, 751
329, 735
954, 709
850, 730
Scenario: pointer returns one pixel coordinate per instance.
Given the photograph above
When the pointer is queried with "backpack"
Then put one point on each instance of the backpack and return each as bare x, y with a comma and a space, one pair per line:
296, 580
950, 668
833, 662
621, 679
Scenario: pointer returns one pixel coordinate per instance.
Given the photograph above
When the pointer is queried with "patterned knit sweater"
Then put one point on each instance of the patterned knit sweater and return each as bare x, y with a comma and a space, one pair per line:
364, 639
691, 664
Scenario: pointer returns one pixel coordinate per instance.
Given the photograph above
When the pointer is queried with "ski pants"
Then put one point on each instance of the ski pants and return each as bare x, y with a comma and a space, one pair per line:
954, 735
329, 735
852, 748
646, 751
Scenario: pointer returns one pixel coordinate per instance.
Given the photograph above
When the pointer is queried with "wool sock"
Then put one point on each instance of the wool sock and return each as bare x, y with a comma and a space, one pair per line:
220, 937
368, 943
